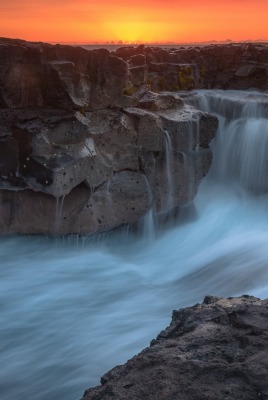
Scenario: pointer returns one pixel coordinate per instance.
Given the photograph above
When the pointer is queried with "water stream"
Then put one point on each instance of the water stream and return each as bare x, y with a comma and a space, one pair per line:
73, 308
169, 166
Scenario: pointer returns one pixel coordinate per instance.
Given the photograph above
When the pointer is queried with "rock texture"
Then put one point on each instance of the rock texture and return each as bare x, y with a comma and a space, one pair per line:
83, 132
216, 350
229, 66
85, 147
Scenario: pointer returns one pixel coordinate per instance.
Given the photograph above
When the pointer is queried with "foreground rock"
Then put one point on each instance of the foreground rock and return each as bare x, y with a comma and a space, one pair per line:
214, 351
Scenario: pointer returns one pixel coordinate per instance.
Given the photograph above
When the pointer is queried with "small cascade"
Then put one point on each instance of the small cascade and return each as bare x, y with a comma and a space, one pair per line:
188, 174
169, 168
241, 146
194, 133
148, 222
58, 214
197, 129
189, 158
232, 104
242, 153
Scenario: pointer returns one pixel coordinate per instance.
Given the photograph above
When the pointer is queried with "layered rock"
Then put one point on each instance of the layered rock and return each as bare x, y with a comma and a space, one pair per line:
214, 350
64, 77
78, 127
85, 147
231, 66
81, 134
70, 173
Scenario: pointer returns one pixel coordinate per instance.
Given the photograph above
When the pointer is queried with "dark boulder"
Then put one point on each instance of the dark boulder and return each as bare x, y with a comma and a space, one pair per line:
214, 351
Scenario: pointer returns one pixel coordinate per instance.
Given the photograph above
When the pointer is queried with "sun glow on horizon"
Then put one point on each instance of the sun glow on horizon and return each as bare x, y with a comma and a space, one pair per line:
150, 21
135, 31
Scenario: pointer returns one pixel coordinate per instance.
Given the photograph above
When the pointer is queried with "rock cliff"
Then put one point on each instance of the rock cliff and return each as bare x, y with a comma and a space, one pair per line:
91, 140
216, 350
85, 147
232, 66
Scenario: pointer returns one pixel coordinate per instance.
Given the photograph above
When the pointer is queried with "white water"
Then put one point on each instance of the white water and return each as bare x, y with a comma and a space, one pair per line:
72, 309
58, 214
169, 166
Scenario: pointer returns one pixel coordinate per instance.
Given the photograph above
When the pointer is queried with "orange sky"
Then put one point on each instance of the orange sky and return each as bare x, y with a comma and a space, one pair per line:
135, 20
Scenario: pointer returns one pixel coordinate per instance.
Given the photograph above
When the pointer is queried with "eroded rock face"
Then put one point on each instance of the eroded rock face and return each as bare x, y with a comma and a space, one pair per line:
85, 147
81, 135
65, 77
232, 66
214, 350
72, 173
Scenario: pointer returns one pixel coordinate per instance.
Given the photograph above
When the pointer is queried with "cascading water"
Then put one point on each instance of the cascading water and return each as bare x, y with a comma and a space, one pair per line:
72, 309
58, 214
241, 146
148, 227
193, 132
169, 166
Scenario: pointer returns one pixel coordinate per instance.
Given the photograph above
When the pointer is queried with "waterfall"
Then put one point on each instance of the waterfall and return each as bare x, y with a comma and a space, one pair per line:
190, 164
148, 222
58, 214
72, 310
232, 104
241, 146
169, 169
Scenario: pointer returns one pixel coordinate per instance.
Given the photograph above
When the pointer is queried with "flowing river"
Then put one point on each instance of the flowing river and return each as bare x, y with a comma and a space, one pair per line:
72, 308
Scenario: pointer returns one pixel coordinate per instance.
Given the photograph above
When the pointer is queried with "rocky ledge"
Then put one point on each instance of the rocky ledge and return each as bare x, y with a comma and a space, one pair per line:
85, 146
91, 140
216, 350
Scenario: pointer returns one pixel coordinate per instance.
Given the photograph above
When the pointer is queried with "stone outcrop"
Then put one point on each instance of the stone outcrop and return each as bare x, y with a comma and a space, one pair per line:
95, 164
216, 350
229, 66
64, 77
84, 132
85, 147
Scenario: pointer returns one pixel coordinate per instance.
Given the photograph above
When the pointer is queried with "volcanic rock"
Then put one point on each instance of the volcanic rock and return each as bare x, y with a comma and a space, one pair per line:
73, 122
216, 350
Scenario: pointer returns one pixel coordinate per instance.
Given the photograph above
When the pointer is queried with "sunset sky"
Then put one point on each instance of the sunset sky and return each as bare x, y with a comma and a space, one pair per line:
135, 20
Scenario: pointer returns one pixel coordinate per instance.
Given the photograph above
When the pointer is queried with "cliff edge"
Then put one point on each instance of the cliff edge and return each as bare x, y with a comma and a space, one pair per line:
91, 140
216, 350
86, 146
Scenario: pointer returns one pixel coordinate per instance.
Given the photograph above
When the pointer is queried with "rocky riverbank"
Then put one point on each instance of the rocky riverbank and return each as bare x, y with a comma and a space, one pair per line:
216, 350
91, 140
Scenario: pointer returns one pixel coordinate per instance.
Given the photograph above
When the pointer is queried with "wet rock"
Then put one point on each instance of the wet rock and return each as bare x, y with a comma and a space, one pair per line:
73, 121
62, 154
64, 77
162, 101
232, 66
125, 198
148, 127
214, 350
116, 138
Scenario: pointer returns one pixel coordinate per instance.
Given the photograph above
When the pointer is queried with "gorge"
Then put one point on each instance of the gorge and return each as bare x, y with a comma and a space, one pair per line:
75, 306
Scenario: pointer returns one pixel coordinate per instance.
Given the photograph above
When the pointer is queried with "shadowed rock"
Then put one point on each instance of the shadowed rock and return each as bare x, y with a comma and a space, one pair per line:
72, 119
215, 350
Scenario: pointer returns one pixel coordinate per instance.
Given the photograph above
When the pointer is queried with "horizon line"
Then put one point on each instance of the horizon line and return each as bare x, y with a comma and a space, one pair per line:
139, 42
